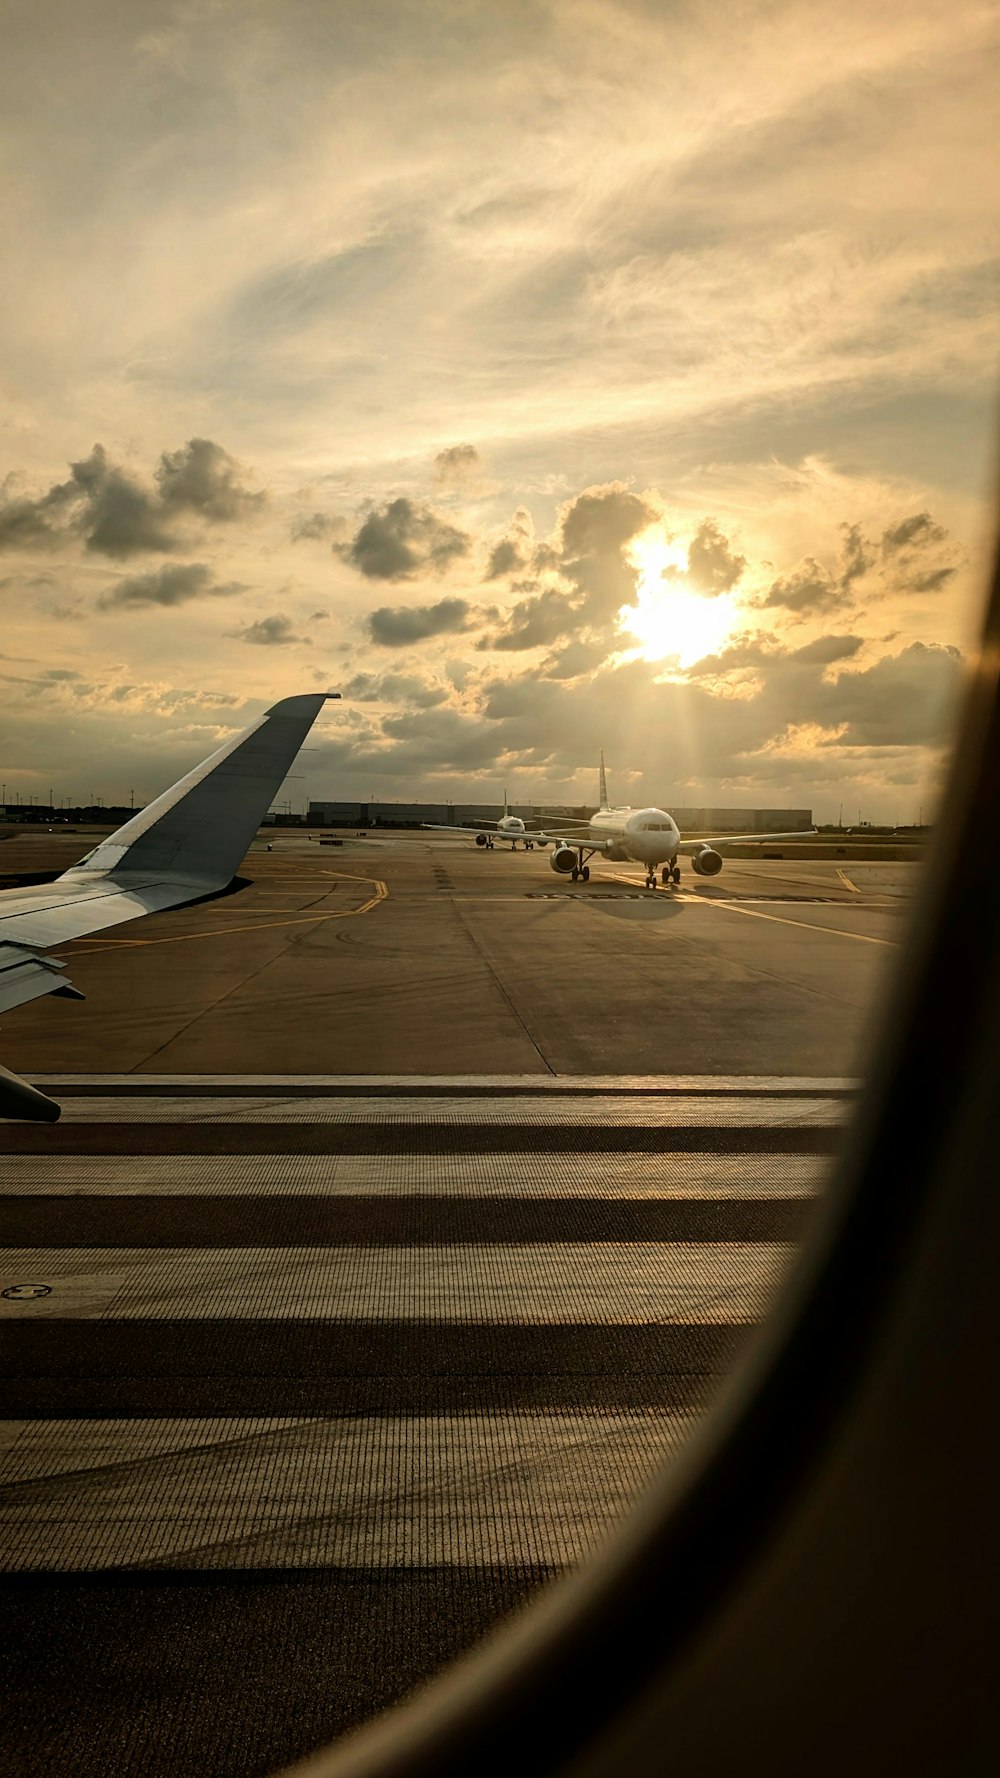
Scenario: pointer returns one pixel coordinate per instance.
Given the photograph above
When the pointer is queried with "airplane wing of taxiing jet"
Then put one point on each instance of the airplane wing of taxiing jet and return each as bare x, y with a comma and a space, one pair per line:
747, 839
463, 828
184, 846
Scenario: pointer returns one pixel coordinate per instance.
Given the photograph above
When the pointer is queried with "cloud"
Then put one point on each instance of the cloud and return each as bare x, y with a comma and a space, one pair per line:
512, 551
270, 632
401, 540
826, 649
394, 626
712, 567
905, 699
119, 516
855, 557
915, 532
314, 526
203, 478
402, 688
594, 530
808, 588
457, 465
169, 585
536, 621
918, 554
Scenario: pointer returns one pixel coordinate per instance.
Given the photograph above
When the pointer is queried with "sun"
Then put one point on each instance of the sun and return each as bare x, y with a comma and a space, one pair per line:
668, 620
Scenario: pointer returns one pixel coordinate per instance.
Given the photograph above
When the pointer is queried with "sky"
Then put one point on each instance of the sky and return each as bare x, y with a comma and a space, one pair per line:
542, 376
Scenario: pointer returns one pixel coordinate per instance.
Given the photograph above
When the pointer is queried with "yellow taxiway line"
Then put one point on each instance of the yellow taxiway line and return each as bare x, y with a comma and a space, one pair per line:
845, 879
381, 892
734, 907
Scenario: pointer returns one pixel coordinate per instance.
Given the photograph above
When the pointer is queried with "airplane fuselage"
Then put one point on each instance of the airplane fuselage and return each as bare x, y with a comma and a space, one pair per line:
643, 836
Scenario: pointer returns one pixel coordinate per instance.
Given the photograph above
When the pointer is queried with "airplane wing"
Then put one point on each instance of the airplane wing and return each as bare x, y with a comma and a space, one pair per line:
462, 829
746, 839
185, 845
467, 830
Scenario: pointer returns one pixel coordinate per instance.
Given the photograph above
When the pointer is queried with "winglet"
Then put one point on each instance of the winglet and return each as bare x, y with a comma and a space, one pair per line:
19, 1100
199, 830
604, 784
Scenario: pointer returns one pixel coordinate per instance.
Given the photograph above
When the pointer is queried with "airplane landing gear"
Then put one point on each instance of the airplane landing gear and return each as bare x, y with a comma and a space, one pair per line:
581, 872
670, 874
651, 879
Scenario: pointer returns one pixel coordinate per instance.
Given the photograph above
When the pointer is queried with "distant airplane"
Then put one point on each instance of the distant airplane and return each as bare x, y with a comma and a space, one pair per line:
509, 827
640, 836
183, 847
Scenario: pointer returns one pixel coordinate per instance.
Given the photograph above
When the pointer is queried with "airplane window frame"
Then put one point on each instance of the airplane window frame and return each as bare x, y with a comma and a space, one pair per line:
596, 1676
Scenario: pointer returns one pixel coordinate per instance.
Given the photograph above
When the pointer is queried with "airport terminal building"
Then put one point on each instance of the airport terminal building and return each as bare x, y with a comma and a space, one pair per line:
690, 820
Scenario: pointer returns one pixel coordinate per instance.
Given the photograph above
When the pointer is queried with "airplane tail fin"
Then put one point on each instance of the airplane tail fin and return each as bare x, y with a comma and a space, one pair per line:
199, 830
604, 784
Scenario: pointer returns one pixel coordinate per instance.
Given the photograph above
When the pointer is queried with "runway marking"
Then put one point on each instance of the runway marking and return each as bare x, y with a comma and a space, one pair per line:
608, 1284
381, 894
733, 907
845, 879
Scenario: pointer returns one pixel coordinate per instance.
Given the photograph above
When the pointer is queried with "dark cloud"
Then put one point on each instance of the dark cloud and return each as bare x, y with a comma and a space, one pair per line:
457, 465
930, 580
537, 621
915, 532
578, 656
808, 588
905, 699
595, 529
270, 632
513, 551
203, 478
395, 626
826, 649
401, 540
919, 555
169, 585
117, 515
855, 558
712, 567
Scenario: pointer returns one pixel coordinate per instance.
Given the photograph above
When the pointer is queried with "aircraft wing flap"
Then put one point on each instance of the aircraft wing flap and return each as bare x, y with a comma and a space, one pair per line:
27, 975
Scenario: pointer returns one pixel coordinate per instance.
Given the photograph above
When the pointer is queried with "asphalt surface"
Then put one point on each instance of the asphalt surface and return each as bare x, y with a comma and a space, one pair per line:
407, 1210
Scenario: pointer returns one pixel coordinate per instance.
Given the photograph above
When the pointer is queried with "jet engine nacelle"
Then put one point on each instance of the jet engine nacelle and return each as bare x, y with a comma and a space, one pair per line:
563, 860
706, 862
480, 839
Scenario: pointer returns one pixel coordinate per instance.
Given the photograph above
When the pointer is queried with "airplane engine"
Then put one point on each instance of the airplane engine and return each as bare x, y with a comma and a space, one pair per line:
563, 860
706, 862
480, 839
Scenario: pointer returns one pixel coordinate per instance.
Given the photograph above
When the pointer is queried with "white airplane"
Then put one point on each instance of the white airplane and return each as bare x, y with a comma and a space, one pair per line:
641, 836
184, 846
509, 827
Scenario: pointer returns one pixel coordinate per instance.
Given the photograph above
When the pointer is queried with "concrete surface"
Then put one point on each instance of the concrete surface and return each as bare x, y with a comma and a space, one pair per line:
407, 1211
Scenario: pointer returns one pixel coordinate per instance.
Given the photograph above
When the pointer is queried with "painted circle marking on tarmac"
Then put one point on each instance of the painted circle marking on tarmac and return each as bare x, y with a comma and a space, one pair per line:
25, 1293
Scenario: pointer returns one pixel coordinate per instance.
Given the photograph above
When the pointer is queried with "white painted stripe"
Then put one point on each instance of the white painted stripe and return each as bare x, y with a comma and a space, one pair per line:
606, 1283
468, 1490
598, 1176
653, 1112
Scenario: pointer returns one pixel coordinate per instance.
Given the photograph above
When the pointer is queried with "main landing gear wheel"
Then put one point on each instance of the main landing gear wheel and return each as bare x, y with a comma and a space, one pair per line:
585, 873
574, 874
